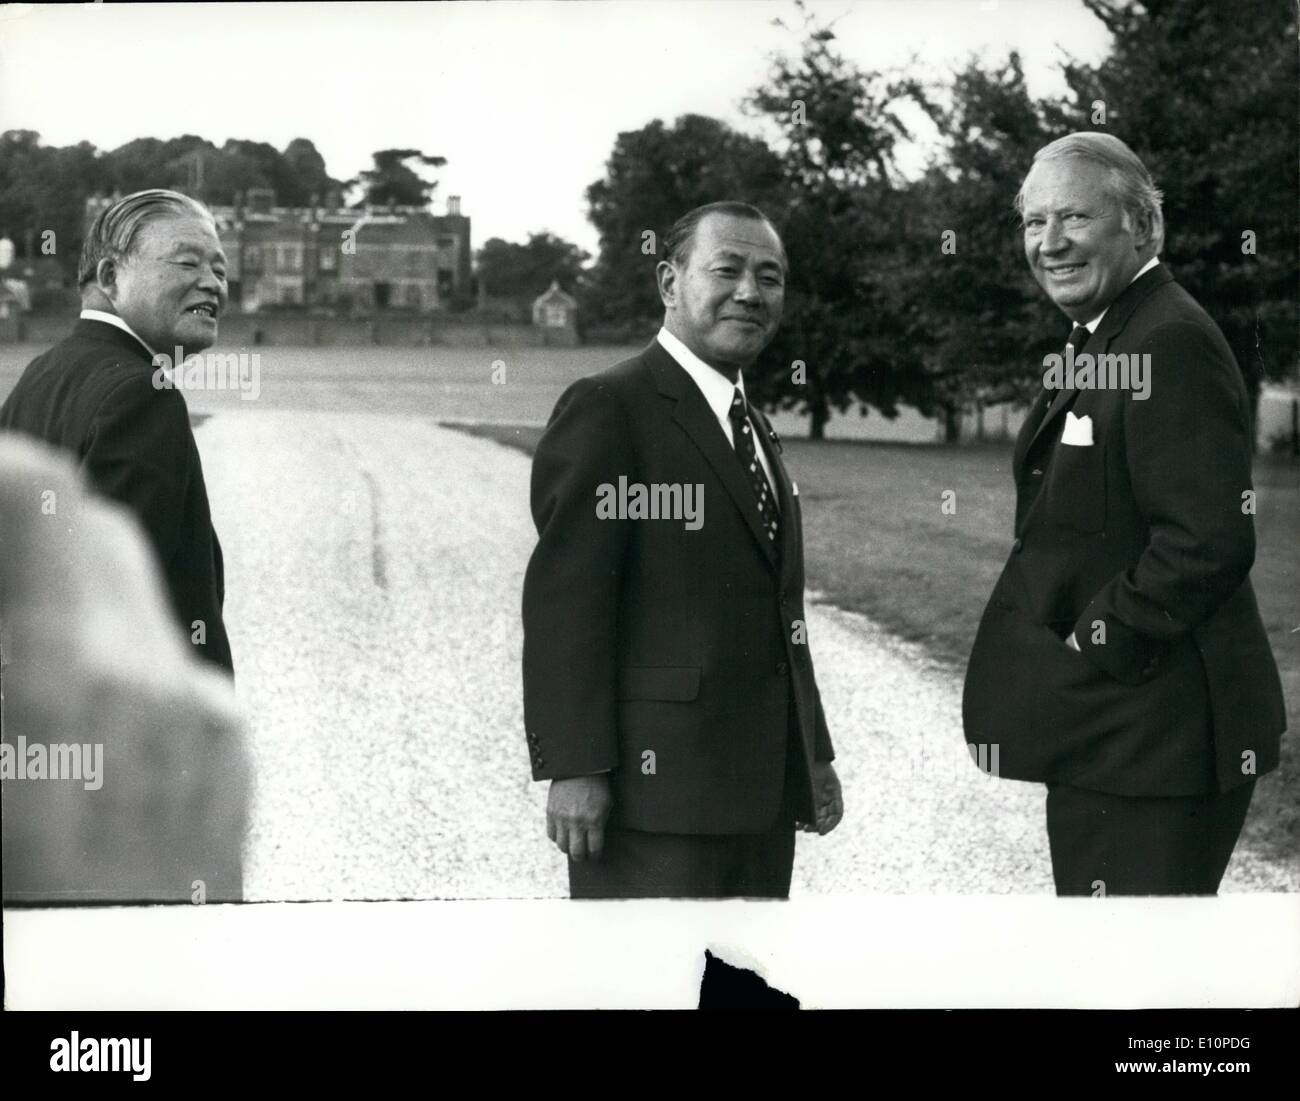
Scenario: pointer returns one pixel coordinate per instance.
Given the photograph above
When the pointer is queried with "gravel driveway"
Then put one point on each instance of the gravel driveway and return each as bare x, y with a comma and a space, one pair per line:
374, 565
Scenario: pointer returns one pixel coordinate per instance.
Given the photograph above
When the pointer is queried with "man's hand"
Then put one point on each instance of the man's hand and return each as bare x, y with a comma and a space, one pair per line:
576, 812
829, 802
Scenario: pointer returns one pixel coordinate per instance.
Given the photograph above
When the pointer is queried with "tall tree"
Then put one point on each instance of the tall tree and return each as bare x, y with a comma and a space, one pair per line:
1206, 96
979, 318
848, 221
653, 176
43, 192
393, 182
307, 169
149, 162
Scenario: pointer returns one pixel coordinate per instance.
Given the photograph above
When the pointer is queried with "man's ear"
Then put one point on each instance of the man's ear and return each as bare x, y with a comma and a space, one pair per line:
1143, 228
106, 277
666, 277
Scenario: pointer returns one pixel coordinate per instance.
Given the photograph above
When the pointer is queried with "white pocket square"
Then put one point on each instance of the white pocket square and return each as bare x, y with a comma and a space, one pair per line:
1078, 430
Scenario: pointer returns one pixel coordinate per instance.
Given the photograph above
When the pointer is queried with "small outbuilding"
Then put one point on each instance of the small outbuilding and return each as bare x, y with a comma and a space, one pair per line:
556, 314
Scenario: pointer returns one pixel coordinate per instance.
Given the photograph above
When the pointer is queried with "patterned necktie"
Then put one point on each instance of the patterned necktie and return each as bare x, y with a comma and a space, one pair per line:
746, 451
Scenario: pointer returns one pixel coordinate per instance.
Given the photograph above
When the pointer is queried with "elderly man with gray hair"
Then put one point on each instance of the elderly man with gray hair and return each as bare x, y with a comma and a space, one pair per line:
1121, 659
153, 283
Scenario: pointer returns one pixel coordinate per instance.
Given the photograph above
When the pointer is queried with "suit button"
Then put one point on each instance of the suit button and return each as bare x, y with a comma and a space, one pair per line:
782, 668
1015, 547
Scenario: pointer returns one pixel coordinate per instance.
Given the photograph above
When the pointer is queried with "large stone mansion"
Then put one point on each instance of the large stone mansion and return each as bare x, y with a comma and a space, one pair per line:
340, 260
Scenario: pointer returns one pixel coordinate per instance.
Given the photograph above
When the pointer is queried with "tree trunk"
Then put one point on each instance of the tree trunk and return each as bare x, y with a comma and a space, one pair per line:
951, 423
820, 415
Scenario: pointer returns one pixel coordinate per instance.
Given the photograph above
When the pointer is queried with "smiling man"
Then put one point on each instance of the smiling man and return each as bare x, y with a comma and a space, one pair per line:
1121, 659
669, 693
152, 279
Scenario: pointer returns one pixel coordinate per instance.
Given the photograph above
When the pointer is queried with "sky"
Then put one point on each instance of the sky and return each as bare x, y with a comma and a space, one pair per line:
524, 98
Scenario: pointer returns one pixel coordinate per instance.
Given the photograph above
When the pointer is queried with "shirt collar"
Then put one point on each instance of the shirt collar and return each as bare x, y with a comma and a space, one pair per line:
717, 389
1091, 326
112, 319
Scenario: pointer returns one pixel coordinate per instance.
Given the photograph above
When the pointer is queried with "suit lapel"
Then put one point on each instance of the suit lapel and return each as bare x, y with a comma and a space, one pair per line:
1029, 431
696, 419
1114, 321
1060, 401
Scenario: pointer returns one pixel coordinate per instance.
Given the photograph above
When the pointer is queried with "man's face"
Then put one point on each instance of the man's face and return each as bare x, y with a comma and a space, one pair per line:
725, 302
172, 288
1081, 247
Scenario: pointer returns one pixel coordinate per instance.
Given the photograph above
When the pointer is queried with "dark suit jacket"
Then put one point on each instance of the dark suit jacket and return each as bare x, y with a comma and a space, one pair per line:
642, 636
1140, 545
93, 395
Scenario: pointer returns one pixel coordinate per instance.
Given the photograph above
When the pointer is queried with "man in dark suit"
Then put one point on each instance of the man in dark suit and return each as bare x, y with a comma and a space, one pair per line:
153, 283
1121, 659
669, 693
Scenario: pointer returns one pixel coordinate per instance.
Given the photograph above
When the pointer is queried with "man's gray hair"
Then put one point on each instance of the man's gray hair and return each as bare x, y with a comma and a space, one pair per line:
113, 233
1130, 182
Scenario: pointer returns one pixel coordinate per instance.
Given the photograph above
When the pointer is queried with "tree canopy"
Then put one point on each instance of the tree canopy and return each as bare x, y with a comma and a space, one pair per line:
393, 182
519, 273
913, 289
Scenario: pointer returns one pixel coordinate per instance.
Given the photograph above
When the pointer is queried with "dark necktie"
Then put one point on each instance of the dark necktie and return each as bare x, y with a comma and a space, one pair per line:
1078, 338
746, 451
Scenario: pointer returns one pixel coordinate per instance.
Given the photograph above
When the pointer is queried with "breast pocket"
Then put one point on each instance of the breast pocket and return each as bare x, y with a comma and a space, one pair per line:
1076, 487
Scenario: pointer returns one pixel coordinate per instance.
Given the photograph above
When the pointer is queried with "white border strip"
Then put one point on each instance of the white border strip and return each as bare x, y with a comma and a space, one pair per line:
887, 952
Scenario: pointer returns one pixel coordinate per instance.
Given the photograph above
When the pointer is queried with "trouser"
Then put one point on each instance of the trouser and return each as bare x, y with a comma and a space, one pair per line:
1124, 845
637, 864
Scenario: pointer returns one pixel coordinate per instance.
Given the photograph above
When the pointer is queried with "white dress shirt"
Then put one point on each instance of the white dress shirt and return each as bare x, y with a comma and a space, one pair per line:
718, 392
1091, 326
112, 319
